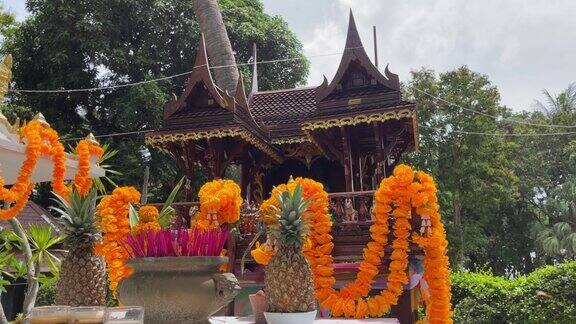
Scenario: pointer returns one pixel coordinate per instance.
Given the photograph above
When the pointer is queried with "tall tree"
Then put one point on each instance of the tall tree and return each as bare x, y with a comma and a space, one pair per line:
551, 183
95, 43
473, 172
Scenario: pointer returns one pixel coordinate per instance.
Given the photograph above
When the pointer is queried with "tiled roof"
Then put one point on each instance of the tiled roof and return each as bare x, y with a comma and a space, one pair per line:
31, 214
283, 106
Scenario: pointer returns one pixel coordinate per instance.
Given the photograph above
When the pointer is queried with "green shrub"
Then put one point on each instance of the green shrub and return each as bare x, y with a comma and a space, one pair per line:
46, 295
547, 295
479, 298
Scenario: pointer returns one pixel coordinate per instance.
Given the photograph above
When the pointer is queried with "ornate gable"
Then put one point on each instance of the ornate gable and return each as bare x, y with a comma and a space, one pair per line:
200, 90
357, 76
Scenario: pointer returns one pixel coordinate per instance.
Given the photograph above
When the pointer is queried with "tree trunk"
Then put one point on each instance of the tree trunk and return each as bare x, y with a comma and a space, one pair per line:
32, 274
217, 43
457, 204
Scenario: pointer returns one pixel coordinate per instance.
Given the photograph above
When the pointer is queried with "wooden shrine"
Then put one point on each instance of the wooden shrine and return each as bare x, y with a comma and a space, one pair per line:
348, 133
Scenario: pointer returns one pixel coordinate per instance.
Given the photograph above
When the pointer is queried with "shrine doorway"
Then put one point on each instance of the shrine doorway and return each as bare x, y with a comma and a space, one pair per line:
329, 173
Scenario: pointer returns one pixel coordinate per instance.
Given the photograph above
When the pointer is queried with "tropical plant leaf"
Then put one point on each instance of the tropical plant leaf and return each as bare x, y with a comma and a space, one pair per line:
168, 213
132, 216
249, 248
166, 216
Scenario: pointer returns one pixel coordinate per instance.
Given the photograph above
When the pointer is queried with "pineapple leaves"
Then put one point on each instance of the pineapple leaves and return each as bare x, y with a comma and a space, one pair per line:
77, 218
292, 207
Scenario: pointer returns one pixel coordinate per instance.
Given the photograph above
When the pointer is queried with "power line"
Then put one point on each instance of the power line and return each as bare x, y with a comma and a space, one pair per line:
111, 135
420, 125
302, 58
498, 134
173, 76
492, 116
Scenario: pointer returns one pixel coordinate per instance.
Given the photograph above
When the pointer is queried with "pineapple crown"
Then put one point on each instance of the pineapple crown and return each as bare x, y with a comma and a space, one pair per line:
291, 228
78, 219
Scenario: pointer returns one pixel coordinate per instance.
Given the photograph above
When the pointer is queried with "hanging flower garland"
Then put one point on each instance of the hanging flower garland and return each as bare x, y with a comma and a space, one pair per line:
397, 196
41, 140
85, 149
114, 224
220, 202
435, 246
20, 192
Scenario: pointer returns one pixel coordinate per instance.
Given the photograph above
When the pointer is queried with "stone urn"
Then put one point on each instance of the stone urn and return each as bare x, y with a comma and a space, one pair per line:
178, 289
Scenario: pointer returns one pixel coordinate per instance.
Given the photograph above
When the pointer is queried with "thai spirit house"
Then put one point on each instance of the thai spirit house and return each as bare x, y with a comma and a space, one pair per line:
348, 133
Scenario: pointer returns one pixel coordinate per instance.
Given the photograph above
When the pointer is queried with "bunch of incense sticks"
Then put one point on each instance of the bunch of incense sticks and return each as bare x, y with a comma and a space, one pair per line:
180, 242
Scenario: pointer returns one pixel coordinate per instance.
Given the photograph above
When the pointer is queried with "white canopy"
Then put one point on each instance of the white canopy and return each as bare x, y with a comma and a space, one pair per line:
12, 155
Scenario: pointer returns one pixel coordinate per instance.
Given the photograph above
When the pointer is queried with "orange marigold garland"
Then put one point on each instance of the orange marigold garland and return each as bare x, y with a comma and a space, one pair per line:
220, 202
397, 196
435, 248
85, 149
114, 224
41, 140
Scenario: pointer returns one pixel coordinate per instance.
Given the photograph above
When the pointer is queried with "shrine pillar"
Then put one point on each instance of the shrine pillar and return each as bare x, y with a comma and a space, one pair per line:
347, 159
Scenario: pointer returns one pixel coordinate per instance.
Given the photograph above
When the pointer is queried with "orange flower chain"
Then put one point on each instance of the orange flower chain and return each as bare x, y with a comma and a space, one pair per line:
85, 150
41, 140
115, 225
397, 196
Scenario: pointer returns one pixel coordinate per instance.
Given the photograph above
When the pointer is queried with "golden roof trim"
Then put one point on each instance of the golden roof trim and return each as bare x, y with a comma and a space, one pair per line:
359, 119
157, 140
290, 140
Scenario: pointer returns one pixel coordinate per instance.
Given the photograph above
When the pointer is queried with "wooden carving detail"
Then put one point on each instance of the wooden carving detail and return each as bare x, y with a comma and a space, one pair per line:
349, 211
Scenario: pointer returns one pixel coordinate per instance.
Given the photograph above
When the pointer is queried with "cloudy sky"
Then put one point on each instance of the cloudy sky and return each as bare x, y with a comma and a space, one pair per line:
524, 46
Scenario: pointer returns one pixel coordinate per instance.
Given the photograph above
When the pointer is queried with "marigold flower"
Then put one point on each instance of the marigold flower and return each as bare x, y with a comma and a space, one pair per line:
148, 214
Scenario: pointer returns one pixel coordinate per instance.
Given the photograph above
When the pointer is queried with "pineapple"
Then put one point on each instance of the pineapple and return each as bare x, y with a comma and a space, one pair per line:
288, 282
83, 274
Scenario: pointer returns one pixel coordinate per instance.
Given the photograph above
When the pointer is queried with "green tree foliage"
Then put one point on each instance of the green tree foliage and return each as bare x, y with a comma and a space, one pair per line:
515, 193
551, 165
95, 43
473, 172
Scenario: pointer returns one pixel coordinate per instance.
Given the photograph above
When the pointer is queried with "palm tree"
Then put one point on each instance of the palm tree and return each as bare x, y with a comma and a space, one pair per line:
558, 238
217, 43
565, 101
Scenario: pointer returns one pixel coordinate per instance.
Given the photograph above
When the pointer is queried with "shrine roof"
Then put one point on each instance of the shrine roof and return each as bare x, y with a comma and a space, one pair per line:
283, 111
283, 106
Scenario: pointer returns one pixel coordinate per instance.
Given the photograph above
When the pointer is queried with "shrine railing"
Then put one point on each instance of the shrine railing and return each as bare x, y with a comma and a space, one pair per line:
351, 211
351, 207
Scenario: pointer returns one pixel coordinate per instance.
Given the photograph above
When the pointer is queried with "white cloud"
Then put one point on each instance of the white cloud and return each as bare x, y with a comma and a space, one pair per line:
523, 46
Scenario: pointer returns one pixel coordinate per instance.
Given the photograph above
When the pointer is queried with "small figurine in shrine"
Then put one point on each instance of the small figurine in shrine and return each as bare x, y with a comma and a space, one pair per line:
349, 211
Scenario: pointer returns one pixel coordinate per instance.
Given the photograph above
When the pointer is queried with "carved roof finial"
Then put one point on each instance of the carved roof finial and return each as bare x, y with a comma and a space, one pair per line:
39, 117
354, 52
201, 60
254, 70
92, 139
352, 38
240, 95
